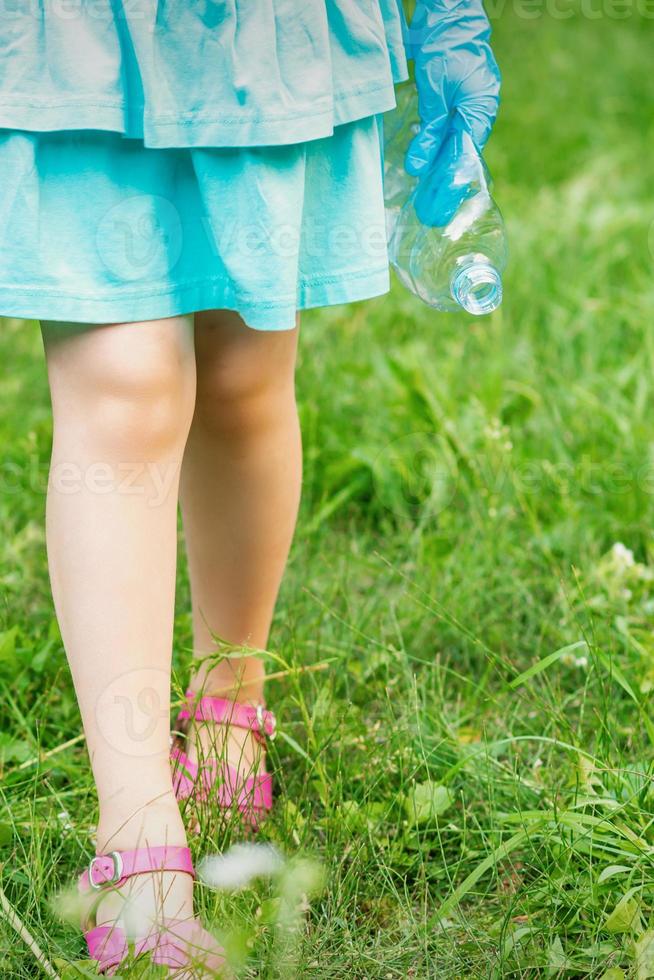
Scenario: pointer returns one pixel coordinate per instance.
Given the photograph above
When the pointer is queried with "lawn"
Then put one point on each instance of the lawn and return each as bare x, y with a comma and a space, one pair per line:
464, 787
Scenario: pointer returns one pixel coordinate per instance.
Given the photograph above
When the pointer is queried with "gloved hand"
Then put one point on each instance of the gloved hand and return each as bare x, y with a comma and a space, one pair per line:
458, 84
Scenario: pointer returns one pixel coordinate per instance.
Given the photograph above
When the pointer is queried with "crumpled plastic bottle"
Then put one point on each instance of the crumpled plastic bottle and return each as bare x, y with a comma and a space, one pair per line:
457, 263
400, 126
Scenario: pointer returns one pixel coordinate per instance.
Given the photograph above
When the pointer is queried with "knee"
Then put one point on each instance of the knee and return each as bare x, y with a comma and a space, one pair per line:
140, 409
242, 392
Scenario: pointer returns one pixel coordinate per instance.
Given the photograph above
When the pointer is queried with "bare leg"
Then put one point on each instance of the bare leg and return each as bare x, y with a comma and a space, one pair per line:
240, 492
122, 397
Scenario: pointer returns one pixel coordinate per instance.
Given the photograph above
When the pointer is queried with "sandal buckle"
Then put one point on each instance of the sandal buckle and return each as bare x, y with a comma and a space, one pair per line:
272, 734
117, 872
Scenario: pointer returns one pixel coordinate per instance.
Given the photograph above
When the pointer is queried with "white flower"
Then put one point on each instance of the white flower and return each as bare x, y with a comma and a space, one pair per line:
239, 865
623, 557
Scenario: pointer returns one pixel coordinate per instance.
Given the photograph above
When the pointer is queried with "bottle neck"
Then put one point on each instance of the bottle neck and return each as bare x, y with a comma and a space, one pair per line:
476, 285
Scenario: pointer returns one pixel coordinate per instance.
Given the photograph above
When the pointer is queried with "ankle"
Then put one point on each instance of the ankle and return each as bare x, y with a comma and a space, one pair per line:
148, 825
243, 685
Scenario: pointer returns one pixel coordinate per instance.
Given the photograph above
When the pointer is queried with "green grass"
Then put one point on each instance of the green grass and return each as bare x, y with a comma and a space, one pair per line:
481, 805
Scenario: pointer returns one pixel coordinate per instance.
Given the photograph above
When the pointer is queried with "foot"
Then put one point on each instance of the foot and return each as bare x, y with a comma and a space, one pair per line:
231, 757
206, 740
151, 902
167, 894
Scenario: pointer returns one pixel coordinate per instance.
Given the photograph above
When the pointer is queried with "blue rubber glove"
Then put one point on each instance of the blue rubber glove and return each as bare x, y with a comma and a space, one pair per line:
458, 84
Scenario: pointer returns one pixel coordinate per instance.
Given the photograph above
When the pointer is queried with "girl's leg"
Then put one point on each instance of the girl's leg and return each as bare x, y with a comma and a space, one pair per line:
122, 398
240, 492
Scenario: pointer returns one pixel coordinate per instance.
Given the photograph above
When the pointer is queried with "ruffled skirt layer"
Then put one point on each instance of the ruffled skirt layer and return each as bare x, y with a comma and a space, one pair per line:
213, 73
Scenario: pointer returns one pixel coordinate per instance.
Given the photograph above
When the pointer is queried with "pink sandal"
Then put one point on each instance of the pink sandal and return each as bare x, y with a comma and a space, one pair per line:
175, 943
253, 795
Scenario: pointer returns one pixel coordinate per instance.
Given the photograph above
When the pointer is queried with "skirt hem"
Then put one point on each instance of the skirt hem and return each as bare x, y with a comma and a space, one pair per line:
273, 315
199, 130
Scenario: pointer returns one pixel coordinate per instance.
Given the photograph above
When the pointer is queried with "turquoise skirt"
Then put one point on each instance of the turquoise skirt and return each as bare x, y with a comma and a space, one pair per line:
97, 228
159, 157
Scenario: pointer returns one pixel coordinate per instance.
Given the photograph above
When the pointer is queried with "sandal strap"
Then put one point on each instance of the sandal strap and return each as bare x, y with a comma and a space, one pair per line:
114, 868
256, 719
174, 943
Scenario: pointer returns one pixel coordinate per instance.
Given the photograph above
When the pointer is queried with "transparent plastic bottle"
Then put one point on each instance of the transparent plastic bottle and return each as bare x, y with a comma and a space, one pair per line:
457, 265
400, 127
